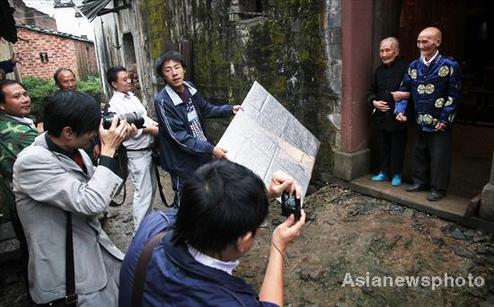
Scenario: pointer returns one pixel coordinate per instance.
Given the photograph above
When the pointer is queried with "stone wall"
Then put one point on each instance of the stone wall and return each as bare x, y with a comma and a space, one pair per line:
292, 48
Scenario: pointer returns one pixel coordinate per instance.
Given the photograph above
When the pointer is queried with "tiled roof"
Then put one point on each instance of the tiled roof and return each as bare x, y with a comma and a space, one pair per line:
51, 32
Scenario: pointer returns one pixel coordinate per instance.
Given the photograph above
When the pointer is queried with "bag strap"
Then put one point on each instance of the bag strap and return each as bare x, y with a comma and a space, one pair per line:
70, 295
141, 269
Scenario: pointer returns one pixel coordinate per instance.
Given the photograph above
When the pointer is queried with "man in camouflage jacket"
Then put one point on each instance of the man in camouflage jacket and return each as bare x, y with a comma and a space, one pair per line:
17, 131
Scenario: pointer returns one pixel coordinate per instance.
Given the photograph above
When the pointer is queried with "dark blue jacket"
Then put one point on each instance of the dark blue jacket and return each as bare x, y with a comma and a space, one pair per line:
7, 66
182, 153
175, 278
436, 90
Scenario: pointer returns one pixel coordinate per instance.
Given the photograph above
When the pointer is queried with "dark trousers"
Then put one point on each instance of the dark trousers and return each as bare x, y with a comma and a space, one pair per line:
432, 159
177, 183
391, 150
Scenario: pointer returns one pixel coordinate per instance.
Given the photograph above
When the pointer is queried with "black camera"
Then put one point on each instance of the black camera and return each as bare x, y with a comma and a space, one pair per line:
132, 118
290, 204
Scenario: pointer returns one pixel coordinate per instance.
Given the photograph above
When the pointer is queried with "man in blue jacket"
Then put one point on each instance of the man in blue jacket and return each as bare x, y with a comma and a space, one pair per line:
222, 206
181, 113
434, 81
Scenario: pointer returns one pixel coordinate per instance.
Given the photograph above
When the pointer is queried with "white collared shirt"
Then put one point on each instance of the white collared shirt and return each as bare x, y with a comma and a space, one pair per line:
225, 266
427, 63
122, 103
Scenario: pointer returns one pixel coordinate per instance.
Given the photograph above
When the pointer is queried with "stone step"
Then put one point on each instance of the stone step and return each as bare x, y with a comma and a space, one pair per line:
453, 208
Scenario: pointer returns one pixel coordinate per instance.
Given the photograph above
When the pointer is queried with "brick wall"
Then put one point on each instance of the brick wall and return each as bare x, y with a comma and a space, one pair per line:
60, 52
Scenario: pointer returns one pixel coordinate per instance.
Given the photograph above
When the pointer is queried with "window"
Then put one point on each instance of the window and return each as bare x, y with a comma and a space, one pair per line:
44, 57
247, 9
252, 6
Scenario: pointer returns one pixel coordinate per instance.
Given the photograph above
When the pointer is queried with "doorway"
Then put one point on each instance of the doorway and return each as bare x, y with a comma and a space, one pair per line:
468, 37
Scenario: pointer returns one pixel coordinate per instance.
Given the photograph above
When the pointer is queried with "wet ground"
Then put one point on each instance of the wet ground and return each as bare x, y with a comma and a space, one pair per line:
354, 251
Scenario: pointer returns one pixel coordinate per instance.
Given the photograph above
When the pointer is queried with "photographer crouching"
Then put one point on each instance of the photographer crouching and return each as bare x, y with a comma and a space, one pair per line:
58, 195
186, 258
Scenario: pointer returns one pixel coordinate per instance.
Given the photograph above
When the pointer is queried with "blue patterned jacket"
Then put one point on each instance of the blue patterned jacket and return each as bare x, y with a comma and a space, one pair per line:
435, 89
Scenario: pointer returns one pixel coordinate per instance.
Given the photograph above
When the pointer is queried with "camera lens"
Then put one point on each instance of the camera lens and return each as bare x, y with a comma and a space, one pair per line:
134, 118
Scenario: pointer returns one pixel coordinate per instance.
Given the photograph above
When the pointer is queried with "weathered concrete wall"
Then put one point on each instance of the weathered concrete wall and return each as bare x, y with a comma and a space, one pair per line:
292, 48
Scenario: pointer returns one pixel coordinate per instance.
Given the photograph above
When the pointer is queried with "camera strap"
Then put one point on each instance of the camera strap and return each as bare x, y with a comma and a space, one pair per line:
160, 187
70, 294
142, 268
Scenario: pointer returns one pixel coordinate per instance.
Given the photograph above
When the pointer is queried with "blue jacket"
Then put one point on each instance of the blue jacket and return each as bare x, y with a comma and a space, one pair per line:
181, 153
436, 90
175, 278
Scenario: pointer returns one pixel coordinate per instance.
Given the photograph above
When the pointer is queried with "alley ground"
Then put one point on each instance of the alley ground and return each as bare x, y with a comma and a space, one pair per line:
349, 235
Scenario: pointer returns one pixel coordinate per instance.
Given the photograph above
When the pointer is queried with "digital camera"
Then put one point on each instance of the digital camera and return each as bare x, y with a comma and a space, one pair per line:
290, 204
132, 118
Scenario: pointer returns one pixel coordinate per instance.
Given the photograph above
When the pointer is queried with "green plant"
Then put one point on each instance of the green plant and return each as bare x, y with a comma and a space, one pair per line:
92, 86
40, 89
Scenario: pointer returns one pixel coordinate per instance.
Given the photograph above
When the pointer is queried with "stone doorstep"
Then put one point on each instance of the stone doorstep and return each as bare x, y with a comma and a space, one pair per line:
453, 208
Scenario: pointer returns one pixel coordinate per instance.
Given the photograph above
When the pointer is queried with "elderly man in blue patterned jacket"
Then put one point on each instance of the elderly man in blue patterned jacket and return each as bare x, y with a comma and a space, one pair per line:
434, 81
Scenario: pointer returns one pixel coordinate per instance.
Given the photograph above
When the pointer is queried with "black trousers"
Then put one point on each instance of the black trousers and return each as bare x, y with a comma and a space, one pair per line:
391, 150
432, 159
177, 183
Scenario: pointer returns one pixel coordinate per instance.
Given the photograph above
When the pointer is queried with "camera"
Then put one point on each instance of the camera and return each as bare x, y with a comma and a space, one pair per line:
290, 204
132, 118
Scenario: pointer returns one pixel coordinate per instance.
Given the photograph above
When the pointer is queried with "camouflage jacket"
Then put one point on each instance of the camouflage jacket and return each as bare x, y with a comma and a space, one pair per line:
15, 135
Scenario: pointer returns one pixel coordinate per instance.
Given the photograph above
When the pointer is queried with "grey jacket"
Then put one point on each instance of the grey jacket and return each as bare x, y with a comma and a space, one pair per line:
45, 184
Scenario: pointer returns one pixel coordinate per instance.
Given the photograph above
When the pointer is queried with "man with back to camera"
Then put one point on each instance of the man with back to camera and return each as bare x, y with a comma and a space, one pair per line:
139, 146
391, 134
55, 182
181, 113
222, 206
434, 81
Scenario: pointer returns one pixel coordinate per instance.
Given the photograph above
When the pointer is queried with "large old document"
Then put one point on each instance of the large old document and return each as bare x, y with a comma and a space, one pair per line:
265, 137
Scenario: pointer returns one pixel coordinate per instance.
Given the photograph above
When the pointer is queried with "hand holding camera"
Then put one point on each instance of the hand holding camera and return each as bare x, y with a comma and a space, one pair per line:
280, 182
290, 205
111, 138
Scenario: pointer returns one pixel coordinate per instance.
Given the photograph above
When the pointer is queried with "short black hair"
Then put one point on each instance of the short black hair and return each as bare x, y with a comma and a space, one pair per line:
169, 55
112, 74
219, 203
4, 83
73, 109
58, 71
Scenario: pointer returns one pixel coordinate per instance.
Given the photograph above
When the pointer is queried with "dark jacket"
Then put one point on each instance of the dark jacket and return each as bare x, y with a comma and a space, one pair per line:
182, 153
175, 278
387, 79
7, 66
